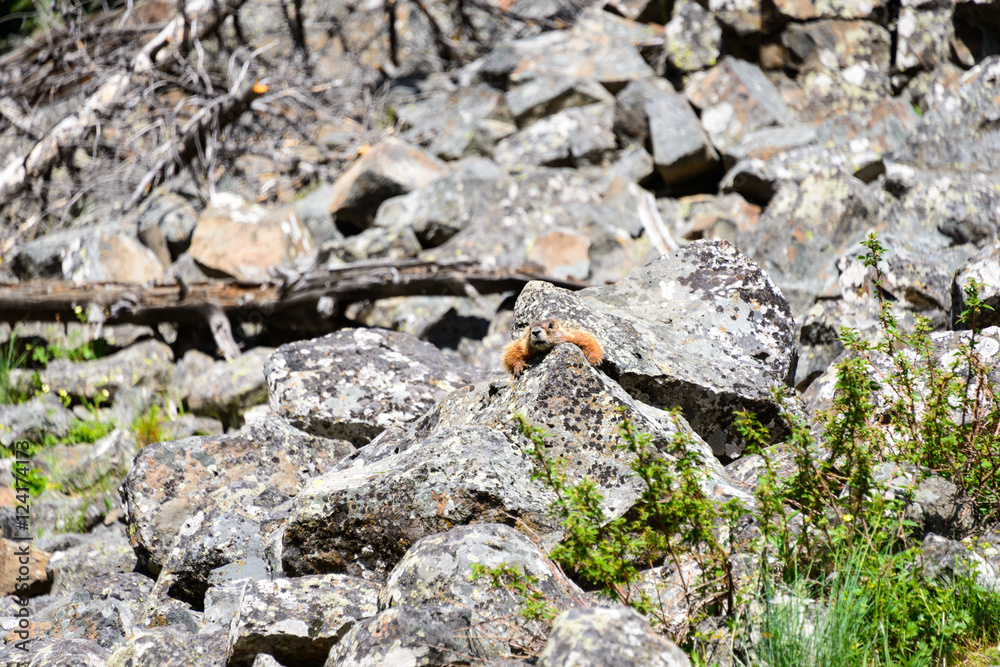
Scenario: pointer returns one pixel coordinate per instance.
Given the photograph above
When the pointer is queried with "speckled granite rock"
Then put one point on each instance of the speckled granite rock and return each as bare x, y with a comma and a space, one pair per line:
614, 636
297, 620
169, 647
437, 570
985, 268
465, 462
170, 481
704, 329
211, 387
66, 652
354, 383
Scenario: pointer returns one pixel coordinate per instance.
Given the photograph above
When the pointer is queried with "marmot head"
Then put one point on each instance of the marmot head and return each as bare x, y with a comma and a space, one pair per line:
544, 334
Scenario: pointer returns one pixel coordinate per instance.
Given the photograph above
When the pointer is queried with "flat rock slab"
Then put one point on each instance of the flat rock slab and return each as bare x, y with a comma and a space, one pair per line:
355, 383
33, 420
703, 329
222, 387
171, 481
297, 621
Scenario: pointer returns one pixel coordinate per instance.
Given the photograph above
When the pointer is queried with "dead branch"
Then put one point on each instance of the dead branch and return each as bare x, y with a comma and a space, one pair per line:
205, 17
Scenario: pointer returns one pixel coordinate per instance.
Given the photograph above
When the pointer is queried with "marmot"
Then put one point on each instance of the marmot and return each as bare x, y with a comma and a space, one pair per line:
542, 336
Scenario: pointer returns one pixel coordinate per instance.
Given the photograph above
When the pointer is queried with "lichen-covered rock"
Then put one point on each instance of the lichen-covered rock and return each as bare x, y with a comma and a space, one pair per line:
170, 647
692, 38
963, 207
171, 481
597, 636
703, 329
438, 570
681, 149
933, 504
33, 420
221, 387
735, 98
79, 559
805, 10
959, 134
355, 383
388, 169
943, 559
575, 136
67, 652
805, 229
924, 34
465, 462
297, 620
231, 527
545, 95
103, 610
945, 349
426, 636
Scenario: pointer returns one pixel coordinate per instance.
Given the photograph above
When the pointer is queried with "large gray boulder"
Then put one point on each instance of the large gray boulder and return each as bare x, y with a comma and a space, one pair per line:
355, 383
703, 329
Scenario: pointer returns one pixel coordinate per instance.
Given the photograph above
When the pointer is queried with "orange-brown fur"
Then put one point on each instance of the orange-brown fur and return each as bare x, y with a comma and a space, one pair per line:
542, 336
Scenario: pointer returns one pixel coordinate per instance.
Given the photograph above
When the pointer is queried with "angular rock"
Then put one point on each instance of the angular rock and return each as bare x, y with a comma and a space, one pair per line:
692, 38
547, 95
221, 388
450, 204
166, 223
104, 610
354, 383
562, 253
805, 228
231, 527
960, 133
169, 647
438, 570
735, 98
377, 242
89, 557
933, 504
703, 329
297, 620
426, 636
33, 420
681, 149
446, 122
924, 34
945, 345
805, 10
464, 462
388, 169
960, 205
104, 463
708, 216
984, 267
574, 136
603, 636
243, 241
107, 253
171, 481
943, 559
599, 46
742, 16
57, 653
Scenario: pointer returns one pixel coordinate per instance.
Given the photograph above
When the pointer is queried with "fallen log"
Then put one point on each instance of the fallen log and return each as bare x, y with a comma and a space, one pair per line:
289, 302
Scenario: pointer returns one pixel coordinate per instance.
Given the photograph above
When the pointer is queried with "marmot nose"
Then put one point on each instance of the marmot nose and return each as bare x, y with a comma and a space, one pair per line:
537, 332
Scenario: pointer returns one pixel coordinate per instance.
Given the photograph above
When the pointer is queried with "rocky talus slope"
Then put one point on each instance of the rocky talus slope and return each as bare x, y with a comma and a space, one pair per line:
313, 486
